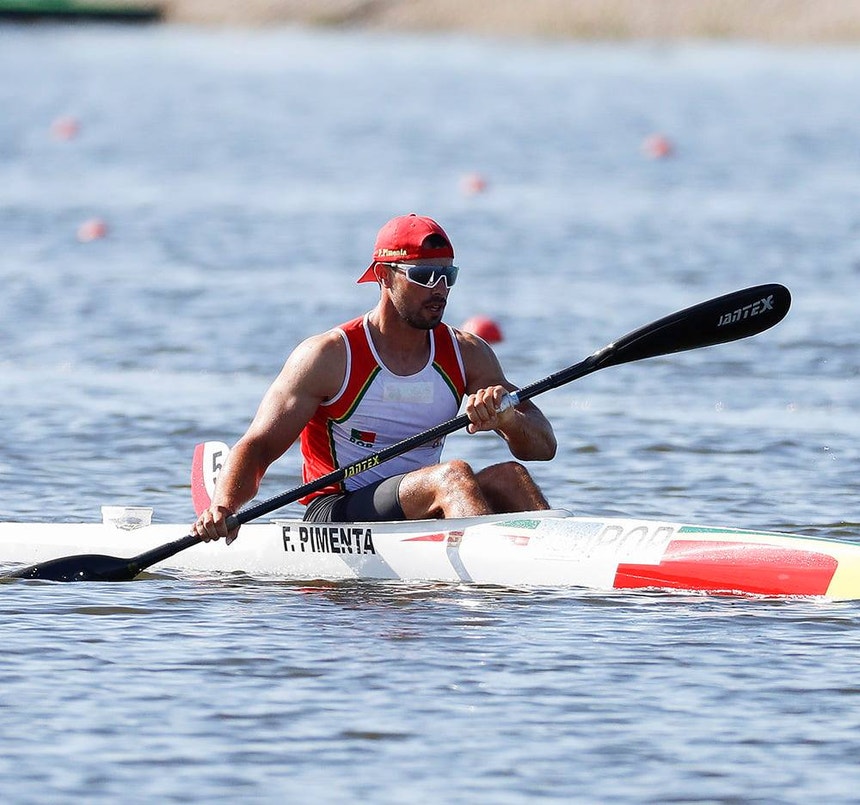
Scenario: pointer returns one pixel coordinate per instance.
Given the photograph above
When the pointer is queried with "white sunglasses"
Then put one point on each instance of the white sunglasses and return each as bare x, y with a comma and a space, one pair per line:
426, 276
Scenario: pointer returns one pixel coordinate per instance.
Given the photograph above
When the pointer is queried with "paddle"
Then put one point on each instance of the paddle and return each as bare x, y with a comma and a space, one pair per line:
717, 321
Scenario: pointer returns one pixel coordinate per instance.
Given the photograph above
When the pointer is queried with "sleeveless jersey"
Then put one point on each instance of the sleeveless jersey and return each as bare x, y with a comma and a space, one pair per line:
376, 408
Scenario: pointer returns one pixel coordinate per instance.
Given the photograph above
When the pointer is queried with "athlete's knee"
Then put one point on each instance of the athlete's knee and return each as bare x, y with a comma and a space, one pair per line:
458, 491
510, 487
456, 474
511, 471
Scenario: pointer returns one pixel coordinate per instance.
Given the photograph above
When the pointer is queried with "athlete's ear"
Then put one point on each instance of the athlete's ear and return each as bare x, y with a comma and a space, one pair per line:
383, 275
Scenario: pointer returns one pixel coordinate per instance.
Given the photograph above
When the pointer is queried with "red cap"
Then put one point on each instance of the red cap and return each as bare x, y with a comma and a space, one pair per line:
404, 239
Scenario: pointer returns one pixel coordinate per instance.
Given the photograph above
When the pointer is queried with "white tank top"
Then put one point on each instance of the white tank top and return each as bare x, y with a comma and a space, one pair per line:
376, 408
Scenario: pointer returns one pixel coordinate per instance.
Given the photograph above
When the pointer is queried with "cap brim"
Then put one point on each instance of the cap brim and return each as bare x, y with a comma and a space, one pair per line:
369, 275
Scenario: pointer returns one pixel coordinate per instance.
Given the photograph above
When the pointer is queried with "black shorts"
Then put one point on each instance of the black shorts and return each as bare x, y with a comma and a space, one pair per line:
370, 504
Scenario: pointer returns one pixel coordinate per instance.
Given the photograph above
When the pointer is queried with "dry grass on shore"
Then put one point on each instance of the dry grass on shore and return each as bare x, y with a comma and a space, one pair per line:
785, 21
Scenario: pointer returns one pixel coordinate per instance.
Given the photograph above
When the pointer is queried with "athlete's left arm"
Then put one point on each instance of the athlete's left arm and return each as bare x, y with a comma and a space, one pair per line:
527, 431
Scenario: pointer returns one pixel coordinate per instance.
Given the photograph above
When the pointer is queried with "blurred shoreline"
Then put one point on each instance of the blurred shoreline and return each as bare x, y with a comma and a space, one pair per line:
776, 21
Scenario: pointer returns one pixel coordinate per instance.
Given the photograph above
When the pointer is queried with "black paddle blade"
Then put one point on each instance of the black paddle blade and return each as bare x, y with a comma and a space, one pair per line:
97, 567
85, 567
726, 318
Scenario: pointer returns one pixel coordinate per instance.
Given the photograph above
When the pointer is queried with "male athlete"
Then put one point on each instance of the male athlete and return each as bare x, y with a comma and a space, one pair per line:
378, 379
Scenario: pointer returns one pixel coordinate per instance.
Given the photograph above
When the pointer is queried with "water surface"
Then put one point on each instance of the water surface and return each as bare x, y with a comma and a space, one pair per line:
243, 177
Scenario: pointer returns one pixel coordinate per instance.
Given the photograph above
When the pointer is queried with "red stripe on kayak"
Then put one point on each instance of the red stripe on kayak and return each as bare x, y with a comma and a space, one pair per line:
428, 538
733, 566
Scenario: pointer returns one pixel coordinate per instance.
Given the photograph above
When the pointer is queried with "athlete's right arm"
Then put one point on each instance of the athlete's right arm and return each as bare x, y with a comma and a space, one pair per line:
313, 373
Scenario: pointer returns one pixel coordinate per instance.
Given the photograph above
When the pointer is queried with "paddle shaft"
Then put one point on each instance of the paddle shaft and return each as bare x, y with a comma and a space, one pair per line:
717, 321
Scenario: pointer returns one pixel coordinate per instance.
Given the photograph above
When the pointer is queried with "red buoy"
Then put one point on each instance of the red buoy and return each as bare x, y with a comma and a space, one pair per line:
473, 183
483, 327
657, 146
94, 229
65, 128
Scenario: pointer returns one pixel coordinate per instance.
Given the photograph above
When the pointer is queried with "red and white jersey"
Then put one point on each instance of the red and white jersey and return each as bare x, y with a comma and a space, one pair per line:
376, 408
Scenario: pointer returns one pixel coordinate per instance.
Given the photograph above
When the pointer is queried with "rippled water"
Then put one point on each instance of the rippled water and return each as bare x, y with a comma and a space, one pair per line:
242, 178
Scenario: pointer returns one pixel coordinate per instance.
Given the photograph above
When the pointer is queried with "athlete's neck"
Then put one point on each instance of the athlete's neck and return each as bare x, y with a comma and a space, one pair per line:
404, 349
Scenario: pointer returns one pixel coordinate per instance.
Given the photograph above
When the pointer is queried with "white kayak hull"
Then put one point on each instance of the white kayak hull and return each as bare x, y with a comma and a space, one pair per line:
536, 549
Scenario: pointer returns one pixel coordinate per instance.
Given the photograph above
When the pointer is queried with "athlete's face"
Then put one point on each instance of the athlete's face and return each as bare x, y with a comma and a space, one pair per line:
419, 306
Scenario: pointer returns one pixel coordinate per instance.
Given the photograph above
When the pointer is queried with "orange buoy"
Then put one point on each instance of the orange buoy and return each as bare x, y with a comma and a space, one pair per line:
473, 183
65, 128
94, 229
483, 327
657, 146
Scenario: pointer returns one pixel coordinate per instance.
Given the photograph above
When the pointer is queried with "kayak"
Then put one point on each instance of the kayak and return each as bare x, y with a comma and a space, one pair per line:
534, 548
530, 549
